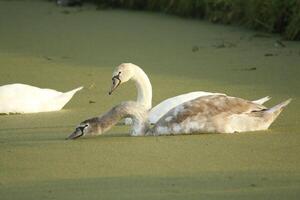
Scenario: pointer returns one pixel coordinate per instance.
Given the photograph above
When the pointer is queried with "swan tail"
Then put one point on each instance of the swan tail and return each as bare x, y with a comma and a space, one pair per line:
272, 113
64, 98
262, 100
72, 92
279, 107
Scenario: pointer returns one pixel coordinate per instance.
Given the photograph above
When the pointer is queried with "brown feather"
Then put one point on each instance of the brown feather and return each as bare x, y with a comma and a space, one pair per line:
210, 106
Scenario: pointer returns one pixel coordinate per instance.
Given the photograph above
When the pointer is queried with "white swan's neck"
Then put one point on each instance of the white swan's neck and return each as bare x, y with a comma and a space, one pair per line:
144, 88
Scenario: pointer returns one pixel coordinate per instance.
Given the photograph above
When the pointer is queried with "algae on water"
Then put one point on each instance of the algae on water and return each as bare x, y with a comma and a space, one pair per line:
275, 16
42, 46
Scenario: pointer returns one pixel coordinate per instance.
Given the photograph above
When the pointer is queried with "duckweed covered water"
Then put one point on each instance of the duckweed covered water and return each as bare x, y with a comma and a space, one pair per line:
63, 48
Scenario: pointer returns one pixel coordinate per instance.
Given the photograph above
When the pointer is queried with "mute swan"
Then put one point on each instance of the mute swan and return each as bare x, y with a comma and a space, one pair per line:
21, 98
98, 125
212, 113
129, 71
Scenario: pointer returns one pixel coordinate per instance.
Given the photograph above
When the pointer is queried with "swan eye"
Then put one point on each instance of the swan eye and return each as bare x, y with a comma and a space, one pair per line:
116, 77
81, 128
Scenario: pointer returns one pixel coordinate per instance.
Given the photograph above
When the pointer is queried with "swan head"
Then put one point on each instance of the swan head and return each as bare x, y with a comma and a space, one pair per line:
121, 74
86, 128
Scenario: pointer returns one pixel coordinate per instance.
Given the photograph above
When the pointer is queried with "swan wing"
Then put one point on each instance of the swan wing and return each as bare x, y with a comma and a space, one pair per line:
217, 113
210, 106
159, 110
262, 100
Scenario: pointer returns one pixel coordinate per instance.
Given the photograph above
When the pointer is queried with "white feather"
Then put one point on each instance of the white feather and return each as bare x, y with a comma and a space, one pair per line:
21, 98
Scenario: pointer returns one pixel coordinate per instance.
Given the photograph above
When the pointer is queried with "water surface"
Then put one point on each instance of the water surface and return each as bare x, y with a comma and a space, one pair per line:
63, 48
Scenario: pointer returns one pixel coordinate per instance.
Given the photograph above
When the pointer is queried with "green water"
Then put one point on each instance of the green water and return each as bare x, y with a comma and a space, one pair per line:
63, 48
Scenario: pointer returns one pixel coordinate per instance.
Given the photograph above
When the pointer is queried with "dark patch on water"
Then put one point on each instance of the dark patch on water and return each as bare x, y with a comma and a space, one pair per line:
65, 57
224, 44
66, 12
47, 58
69, 2
279, 43
246, 69
250, 69
261, 35
270, 54
195, 48
264, 179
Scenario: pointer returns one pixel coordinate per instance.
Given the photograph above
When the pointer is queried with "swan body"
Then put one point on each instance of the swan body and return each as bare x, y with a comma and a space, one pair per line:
207, 114
158, 111
217, 114
129, 71
21, 98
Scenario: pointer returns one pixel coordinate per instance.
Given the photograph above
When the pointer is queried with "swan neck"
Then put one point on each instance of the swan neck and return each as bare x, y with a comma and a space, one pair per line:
137, 112
144, 88
108, 120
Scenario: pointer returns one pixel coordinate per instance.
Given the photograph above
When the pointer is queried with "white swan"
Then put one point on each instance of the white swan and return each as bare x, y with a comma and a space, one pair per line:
208, 114
21, 98
129, 71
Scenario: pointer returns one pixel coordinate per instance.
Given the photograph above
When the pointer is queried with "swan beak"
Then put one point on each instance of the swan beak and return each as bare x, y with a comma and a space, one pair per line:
76, 134
115, 84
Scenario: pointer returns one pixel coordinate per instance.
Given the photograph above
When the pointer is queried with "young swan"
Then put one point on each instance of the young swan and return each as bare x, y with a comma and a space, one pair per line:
217, 114
209, 114
99, 125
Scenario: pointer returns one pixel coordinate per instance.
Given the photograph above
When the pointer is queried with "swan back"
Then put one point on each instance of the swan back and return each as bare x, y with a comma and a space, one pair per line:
209, 114
21, 98
158, 111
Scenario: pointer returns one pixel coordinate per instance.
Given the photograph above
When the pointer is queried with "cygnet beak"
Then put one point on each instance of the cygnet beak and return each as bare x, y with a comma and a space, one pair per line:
76, 134
115, 84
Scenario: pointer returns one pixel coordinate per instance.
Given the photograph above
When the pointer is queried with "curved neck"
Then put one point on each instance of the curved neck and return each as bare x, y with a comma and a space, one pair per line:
106, 121
137, 112
144, 88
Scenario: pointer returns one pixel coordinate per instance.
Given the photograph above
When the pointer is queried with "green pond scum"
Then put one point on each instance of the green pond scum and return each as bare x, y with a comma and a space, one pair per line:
275, 16
64, 48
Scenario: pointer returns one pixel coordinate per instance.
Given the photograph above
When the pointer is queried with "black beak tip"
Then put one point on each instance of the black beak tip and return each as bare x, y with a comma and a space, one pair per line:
70, 137
109, 93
